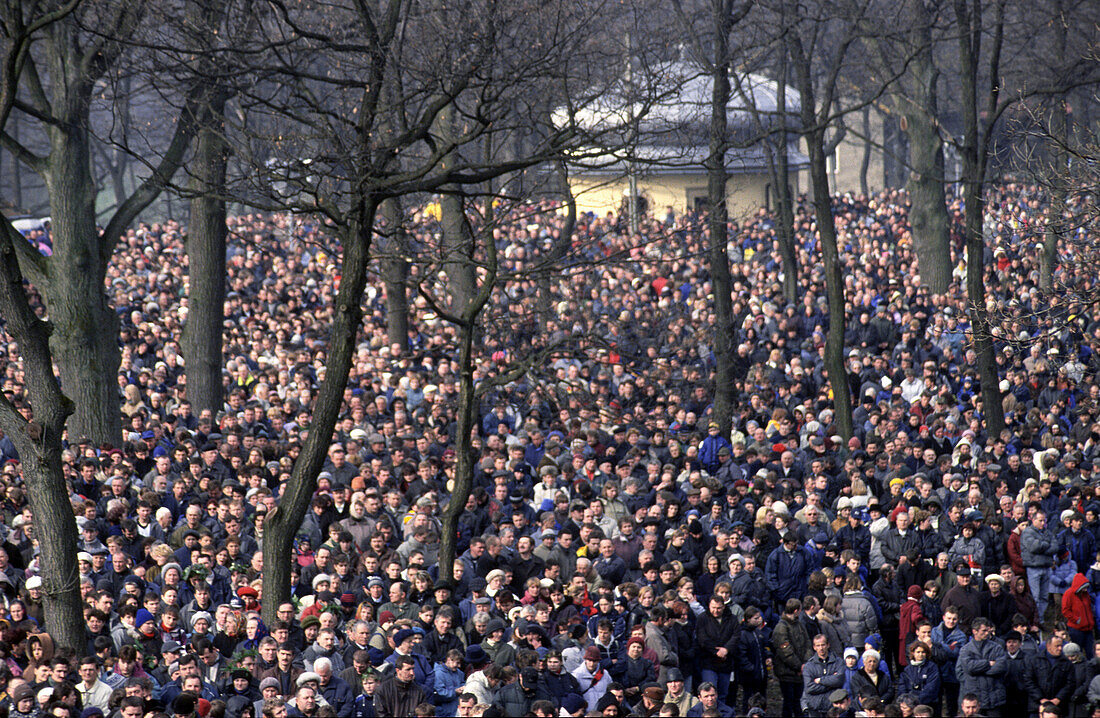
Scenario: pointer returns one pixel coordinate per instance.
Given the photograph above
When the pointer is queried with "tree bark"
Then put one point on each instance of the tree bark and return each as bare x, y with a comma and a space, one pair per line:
202, 339
975, 290
38, 442
85, 343
834, 286
784, 200
282, 523
1056, 224
865, 161
458, 244
721, 281
894, 152
815, 111
928, 202
395, 275
975, 157
16, 169
465, 423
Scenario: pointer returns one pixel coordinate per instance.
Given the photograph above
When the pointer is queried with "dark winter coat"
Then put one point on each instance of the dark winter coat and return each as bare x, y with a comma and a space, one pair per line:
862, 685
923, 680
393, 698
1037, 548
1047, 677
815, 692
513, 700
752, 654
786, 573
713, 633
977, 676
895, 545
790, 649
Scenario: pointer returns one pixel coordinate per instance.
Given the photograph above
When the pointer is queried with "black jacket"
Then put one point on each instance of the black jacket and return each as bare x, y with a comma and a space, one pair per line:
1048, 677
713, 633
515, 701
393, 698
863, 686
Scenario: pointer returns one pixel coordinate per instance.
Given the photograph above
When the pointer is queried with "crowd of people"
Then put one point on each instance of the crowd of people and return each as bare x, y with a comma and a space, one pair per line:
619, 554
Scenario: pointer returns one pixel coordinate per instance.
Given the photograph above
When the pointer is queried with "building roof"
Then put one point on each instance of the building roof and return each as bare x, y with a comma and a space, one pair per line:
668, 159
664, 128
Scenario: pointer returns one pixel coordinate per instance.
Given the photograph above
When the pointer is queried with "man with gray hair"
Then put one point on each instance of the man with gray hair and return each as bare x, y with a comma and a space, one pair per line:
336, 692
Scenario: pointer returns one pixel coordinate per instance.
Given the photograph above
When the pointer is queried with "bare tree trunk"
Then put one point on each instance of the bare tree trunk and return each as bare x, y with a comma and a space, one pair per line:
17, 169
282, 522
721, 281
813, 128
865, 162
395, 275
202, 339
85, 343
928, 201
834, 286
548, 265
465, 422
784, 200
1055, 230
975, 290
469, 395
1056, 224
38, 442
975, 156
893, 153
457, 241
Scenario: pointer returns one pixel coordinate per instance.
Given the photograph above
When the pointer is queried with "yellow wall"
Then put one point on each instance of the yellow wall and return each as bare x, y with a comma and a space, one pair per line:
745, 193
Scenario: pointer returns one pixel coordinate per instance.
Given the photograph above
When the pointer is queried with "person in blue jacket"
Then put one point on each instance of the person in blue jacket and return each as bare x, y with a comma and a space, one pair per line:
787, 570
708, 450
921, 677
449, 677
947, 640
404, 641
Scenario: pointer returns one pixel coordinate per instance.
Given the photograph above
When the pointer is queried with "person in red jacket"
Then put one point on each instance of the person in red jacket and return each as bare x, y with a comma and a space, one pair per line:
1015, 555
911, 614
1077, 610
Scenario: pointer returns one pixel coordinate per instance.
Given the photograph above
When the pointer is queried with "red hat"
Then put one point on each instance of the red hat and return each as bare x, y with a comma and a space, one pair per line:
779, 448
386, 617
592, 654
637, 640
247, 591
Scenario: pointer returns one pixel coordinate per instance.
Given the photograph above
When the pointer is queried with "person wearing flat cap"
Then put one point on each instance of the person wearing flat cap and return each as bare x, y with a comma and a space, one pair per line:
516, 699
964, 596
652, 698
842, 702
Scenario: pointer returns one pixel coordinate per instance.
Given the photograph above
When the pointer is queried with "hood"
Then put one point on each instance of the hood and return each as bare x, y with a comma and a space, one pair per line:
47, 645
879, 526
1080, 583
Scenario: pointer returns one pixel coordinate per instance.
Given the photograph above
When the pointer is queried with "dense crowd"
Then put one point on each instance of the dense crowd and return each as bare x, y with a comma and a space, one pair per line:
618, 555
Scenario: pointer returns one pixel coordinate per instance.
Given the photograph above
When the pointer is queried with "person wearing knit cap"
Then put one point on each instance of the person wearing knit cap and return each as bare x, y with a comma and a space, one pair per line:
22, 702
592, 677
201, 616
633, 670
